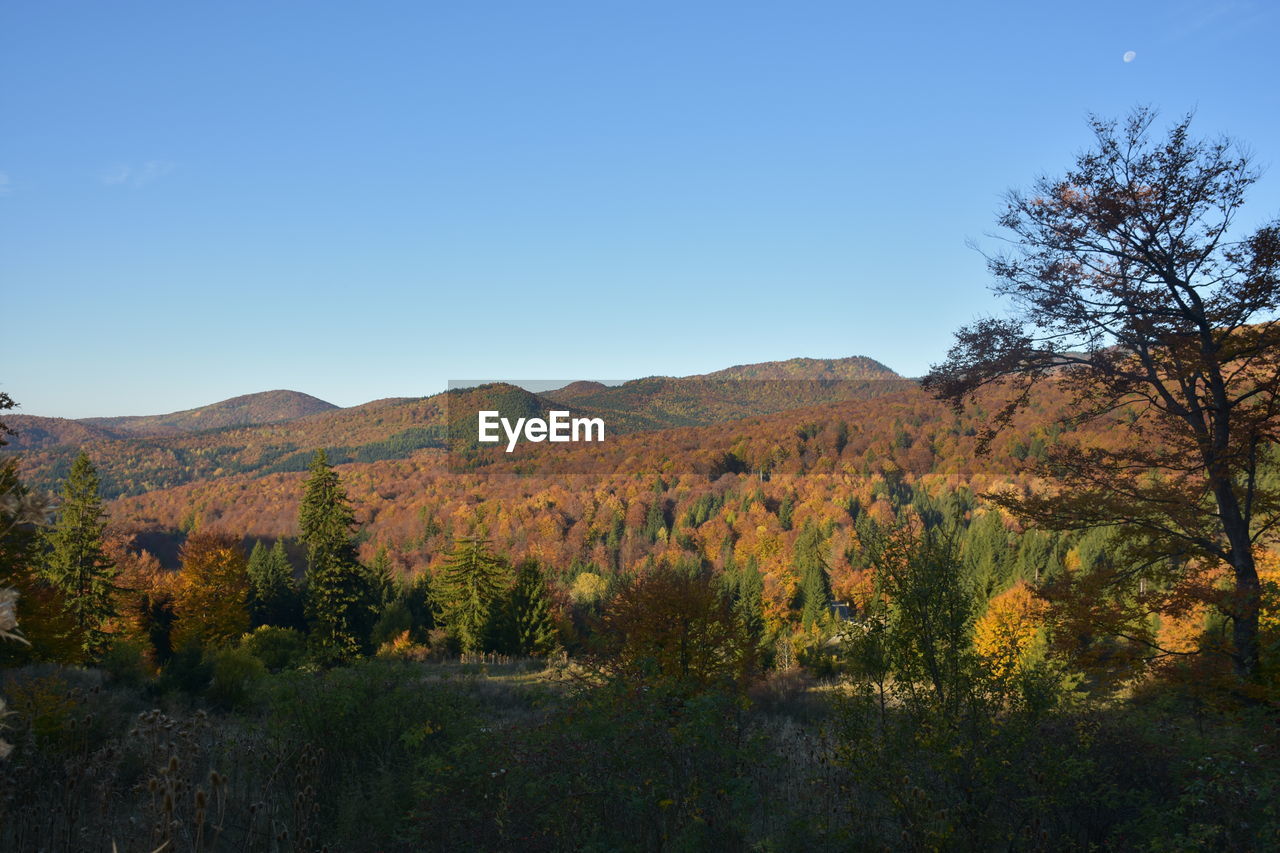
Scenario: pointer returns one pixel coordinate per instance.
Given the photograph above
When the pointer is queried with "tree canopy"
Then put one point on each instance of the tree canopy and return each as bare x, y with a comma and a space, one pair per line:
1133, 289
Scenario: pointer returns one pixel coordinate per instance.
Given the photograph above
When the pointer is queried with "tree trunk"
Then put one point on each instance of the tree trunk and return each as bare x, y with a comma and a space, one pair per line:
1244, 632
1248, 591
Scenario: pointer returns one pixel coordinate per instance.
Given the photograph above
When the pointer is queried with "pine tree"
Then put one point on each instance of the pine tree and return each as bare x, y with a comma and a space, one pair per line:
473, 580
47, 623
339, 595
418, 598
77, 564
786, 511
814, 594
325, 518
529, 613
749, 603
655, 520
273, 595
384, 584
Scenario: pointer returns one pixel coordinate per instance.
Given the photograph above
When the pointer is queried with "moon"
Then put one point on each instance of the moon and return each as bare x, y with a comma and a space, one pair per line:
1130, 56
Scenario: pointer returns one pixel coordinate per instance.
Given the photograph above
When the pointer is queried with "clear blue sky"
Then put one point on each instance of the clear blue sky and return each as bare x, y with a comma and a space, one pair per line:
360, 200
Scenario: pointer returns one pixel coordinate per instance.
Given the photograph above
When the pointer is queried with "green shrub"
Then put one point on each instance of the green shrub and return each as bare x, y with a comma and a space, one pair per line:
395, 620
277, 648
236, 672
188, 669
126, 663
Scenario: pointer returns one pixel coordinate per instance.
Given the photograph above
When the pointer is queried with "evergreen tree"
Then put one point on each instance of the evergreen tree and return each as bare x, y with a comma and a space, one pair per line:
655, 521
417, 597
384, 585
474, 578
988, 560
814, 594
325, 518
526, 626
47, 623
273, 594
339, 604
786, 511
77, 564
749, 602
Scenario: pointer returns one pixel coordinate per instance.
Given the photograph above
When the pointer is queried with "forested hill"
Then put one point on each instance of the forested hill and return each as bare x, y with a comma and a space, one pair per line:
266, 407
856, 368
278, 431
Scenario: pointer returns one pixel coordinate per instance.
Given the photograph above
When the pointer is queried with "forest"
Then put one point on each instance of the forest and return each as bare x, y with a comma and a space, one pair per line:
1029, 602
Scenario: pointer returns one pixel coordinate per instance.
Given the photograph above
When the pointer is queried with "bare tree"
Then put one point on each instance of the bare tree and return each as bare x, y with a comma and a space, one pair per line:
1133, 292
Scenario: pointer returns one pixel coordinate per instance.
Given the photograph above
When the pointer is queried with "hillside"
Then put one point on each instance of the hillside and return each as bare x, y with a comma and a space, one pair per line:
36, 433
828, 457
396, 428
855, 368
265, 407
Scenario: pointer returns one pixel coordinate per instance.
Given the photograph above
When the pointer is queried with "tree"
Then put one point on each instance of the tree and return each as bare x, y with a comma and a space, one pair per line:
339, 605
928, 628
527, 618
1005, 636
1133, 293
673, 625
51, 631
474, 578
383, 583
273, 595
748, 602
147, 600
77, 564
325, 519
814, 593
6, 402
211, 605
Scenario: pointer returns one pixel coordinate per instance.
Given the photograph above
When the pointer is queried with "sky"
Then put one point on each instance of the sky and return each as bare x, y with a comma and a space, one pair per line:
364, 200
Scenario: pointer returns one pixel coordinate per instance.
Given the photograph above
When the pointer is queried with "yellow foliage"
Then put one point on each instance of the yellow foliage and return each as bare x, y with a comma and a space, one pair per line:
213, 590
1006, 634
400, 647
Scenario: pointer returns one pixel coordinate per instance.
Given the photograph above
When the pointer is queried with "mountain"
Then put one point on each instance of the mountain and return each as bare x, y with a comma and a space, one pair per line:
856, 368
266, 407
277, 432
36, 433
660, 402
572, 503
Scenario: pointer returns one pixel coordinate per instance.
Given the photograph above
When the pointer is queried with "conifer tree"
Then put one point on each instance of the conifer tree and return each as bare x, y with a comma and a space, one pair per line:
273, 595
48, 625
528, 613
77, 564
474, 579
786, 510
814, 594
338, 606
749, 603
384, 586
418, 599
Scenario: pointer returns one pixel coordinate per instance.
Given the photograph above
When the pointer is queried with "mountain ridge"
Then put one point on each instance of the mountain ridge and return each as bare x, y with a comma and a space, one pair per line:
167, 450
262, 407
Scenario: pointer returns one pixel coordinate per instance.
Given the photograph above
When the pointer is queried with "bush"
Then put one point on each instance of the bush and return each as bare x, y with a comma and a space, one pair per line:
402, 647
187, 669
395, 620
277, 648
235, 674
376, 727
125, 662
